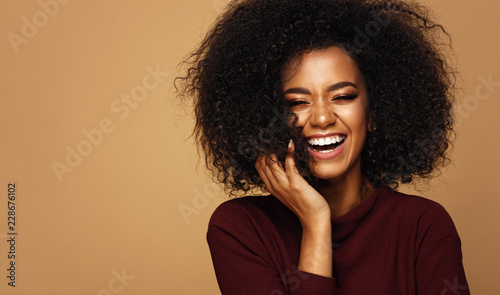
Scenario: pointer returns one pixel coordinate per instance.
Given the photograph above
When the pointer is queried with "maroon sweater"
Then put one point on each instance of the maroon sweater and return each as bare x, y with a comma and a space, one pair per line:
391, 243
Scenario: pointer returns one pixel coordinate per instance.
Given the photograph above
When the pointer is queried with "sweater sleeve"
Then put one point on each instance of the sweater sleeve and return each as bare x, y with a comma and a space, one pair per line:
244, 264
439, 268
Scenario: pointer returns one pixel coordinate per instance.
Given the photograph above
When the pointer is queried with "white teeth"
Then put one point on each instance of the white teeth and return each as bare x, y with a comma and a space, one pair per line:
326, 140
325, 151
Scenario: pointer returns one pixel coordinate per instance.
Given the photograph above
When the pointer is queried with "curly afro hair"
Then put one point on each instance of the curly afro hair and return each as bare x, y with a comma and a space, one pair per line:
235, 79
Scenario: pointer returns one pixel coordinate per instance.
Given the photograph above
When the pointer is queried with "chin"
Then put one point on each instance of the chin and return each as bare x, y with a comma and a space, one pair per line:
325, 172
334, 171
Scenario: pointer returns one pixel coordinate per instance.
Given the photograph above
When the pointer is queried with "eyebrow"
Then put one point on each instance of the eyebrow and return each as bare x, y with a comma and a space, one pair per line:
333, 87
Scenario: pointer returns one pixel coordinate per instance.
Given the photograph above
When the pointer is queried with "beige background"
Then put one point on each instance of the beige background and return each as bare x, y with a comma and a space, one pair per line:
119, 209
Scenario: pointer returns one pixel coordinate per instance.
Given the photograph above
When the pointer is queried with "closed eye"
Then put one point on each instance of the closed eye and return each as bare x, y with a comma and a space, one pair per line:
293, 103
346, 97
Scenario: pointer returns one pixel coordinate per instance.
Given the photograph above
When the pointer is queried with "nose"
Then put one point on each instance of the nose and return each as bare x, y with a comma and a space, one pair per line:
323, 115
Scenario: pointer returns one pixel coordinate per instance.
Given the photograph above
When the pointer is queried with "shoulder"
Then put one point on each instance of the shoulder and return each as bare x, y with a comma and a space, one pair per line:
255, 224
428, 218
406, 201
238, 209
250, 214
414, 205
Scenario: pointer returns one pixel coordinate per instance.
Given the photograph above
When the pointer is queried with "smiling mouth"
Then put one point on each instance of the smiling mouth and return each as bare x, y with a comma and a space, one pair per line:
326, 144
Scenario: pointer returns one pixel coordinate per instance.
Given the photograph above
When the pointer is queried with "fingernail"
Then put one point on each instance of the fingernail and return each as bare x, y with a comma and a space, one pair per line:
290, 143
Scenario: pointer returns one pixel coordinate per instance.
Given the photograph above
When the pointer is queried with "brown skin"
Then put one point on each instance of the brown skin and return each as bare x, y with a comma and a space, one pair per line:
314, 85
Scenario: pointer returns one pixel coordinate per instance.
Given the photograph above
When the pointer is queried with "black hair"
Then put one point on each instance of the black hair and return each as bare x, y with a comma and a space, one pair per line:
234, 78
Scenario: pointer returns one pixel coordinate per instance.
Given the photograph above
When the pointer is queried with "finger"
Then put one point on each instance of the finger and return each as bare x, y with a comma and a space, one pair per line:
280, 179
290, 165
272, 185
260, 165
271, 171
275, 166
266, 172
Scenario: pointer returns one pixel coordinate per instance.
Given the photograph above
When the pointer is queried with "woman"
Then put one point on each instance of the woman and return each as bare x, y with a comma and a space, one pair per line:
327, 105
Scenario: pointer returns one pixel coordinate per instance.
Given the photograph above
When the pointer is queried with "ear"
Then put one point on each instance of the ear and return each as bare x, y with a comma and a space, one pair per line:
371, 125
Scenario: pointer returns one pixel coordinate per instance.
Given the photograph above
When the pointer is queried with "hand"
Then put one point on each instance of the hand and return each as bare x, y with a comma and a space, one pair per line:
288, 186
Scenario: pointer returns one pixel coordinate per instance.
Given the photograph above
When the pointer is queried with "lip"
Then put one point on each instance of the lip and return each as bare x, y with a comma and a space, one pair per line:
330, 155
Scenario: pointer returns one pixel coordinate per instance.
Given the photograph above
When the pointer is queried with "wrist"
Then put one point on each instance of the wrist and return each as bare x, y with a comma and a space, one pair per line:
317, 227
316, 249
316, 222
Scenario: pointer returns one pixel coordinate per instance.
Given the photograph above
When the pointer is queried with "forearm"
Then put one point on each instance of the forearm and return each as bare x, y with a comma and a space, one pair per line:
316, 249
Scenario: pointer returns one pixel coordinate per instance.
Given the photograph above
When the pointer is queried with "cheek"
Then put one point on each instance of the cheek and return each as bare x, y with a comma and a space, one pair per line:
356, 119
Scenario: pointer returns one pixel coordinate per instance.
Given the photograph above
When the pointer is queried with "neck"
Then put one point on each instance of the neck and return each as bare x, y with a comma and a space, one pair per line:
342, 195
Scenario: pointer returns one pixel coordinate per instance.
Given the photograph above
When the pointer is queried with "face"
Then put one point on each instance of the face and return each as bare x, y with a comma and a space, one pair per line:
327, 93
